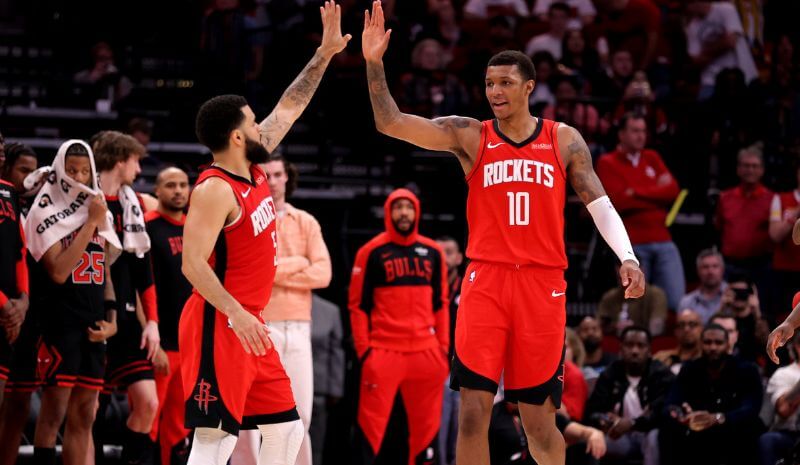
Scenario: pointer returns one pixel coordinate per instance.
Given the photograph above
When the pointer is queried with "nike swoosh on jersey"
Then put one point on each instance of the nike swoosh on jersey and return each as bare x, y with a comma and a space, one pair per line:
494, 146
557, 294
246, 193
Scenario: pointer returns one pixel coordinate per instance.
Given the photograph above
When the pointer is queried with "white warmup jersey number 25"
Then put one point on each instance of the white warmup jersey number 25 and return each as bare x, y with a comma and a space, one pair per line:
519, 208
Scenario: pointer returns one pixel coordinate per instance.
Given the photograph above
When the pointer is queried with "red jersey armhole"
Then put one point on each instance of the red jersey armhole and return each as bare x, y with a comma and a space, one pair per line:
556, 149
481, 148
240, 219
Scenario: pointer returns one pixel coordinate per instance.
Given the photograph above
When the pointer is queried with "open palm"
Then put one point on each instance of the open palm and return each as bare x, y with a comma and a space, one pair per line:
332, 40
374, 39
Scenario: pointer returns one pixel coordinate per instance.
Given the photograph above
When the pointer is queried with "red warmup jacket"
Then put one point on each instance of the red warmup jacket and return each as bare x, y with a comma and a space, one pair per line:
644, 212
398, 290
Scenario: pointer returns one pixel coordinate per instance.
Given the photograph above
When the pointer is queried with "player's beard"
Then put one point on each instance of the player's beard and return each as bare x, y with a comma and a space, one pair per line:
407, 232
255, 152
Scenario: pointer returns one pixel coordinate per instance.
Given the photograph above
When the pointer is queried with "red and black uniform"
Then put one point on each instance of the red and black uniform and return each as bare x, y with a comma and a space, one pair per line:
66, 356
399, 314
127, 362
13, 266
512, 312
172, 290
224, 386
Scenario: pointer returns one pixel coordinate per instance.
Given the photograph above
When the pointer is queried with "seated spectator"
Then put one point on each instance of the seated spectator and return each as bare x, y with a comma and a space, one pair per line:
632, 24
707, 298
569, 110
576, 391
688, 328
582, 12
783, 391
611, 86
578, 57
542, 95
715, 40
713, 408
591, 335
428, 89
784, 213
740, 302
104, 78
639, 99
440, 24
642, 189
141, 129
550, 41
628, 398
485, 9
616, 313
742, 219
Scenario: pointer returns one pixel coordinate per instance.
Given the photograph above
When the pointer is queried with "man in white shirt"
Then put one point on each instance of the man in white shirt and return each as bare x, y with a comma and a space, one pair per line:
558, 17
783, 392
715, 41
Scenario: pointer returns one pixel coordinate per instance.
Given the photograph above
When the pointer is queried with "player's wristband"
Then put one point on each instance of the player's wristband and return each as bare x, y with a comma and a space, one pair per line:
612, 229
110, 305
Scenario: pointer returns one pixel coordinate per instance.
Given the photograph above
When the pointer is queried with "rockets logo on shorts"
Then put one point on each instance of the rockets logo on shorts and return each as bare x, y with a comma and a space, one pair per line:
204, 396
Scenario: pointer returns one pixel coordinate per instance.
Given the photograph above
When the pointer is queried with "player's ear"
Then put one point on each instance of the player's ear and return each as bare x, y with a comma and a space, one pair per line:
237, 137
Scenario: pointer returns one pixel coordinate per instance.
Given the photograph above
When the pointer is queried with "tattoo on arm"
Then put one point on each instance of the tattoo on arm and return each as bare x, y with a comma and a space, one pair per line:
292, 103
580, 170
453, 123
383, 105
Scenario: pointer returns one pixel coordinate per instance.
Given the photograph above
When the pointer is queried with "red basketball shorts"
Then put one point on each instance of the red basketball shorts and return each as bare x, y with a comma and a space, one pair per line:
223, 385
511, 321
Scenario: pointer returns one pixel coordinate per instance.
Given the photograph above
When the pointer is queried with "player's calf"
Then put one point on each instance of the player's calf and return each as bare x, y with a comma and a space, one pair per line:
545, 442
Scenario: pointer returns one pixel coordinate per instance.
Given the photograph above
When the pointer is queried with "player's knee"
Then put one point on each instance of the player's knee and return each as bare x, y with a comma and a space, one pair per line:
543, 436
146, 408
209, 435
474, 416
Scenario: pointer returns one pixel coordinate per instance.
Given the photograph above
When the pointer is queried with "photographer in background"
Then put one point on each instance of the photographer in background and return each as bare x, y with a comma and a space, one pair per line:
740, 300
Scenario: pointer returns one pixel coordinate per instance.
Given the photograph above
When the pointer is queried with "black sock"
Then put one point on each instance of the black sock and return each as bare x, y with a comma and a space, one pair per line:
136, 448
44, 455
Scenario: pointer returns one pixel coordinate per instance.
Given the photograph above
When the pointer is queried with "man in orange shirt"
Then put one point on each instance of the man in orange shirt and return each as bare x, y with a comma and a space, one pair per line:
304, 264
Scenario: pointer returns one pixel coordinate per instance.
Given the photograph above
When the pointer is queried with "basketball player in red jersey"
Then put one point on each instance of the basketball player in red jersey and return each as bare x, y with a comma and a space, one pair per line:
512, 313
233, 378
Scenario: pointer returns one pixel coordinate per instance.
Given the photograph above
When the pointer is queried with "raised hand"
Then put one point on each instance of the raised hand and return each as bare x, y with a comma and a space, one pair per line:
374, 39
332, 40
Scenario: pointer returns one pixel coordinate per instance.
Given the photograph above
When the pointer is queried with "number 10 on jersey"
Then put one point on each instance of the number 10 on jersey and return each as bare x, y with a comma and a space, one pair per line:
519, 208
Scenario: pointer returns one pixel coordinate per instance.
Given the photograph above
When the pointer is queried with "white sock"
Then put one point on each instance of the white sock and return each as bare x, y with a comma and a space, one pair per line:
211, 446
280, 443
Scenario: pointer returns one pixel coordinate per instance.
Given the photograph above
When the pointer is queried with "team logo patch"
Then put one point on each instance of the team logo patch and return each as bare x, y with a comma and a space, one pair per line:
204, 396
650, 172
472, 276
421, 251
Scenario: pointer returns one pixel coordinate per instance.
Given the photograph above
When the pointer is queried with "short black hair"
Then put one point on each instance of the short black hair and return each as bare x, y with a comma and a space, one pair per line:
216, 119
556, 6
291, 171
635, 329
15, 150
713, 327
515, 57
76, 150
629, 116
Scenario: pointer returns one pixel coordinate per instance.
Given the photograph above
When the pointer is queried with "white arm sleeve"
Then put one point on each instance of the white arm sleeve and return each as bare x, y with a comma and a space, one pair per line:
610, 225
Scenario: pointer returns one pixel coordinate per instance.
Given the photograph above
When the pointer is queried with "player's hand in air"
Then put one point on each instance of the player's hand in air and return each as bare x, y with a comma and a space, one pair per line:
332, 40
777, 338
374, 39
252, 333
150, 339
632, 279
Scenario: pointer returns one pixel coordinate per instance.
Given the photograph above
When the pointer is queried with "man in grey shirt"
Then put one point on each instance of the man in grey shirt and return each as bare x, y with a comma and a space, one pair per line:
706, 299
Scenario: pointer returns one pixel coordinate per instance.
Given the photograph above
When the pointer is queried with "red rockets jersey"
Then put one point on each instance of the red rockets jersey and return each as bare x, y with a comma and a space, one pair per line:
245, 255
515, 205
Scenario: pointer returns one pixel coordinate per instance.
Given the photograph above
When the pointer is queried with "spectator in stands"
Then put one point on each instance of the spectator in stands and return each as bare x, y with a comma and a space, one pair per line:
592, 337
542, 95
141, 129
628, 398
632, 24
329, 363
715, 40
580, 59
611, 86
742, 219
582, 12
20, 161
639, 99
740, 301
441, 24
576, 391
643, 189
617, 313
570, 110
428, 89
557, 16
104, 78
707, 298
485, 9
714, 406
784, 213
783, 391
688, 329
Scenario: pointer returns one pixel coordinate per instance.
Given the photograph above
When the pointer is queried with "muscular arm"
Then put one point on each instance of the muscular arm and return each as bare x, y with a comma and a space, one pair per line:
578, 163
293, 101
212, 204
455, 134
